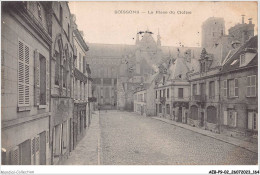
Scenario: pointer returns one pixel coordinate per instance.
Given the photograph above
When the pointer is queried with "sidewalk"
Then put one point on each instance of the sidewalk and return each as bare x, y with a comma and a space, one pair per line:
87, 152
231, 140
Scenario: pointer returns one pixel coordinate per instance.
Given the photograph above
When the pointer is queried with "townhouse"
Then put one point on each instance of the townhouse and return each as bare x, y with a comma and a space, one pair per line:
238, 92
38, 60
172, 92
81, 81
26, 43
61, 82
144, 96
204, 105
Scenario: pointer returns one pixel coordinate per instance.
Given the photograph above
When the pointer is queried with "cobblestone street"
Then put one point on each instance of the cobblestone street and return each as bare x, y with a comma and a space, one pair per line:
130, 139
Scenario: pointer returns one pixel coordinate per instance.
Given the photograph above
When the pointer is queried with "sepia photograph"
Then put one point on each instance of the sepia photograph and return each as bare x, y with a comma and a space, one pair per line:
129, 83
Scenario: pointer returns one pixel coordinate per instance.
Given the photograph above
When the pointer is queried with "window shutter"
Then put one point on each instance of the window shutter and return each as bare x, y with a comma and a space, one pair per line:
27, 76
15, 158
225, 118
253, 86
225, 88
33, 151
21, 91
36, 78
235, 119
37, 150
248, 87
250, 120
23, 74
47, 81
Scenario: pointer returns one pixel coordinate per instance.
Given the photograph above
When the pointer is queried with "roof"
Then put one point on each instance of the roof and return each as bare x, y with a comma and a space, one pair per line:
232, 64
179, 69
81, 40
109, 50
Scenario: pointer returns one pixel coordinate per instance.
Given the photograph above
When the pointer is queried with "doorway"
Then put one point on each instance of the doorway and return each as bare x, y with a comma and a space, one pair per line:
202, 119
43, 148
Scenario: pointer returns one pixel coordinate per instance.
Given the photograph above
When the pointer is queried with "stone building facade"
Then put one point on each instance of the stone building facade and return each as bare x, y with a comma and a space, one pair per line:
26, 43
212, 29
38, 58
204, 83
238, 92
61, 82
172, 92
82, 82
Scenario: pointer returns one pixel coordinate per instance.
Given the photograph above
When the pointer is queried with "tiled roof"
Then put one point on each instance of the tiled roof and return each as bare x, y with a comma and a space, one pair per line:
232, 64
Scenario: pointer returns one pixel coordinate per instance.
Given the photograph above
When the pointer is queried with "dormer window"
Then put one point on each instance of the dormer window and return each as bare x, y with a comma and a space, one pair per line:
203, 67
242, 59
163, 79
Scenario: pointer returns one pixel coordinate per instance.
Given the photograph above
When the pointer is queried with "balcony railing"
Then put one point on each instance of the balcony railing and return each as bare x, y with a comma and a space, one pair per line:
199, 98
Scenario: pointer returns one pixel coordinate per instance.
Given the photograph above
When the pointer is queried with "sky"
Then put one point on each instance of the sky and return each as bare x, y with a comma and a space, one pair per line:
101, 24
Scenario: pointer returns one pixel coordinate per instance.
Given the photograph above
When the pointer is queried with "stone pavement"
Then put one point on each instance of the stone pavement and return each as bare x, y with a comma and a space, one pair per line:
253, 147
88, 150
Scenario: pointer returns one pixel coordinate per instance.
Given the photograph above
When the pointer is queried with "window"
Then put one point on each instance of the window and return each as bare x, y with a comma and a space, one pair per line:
180, 92
231, 119
168, 93
69, 31
79, 61
42, 80
231, 88
194, 89
64, 73
160, 93
242, 59
23, 74
156, 94
163, 79
225, 88
203, 67
251, 86
252, 121
164, 93
212, 90
144, 97
61, 15
236, 87
56, 141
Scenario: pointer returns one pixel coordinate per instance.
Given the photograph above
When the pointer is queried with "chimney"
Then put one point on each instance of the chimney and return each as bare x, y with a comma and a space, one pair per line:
243, 19
250, 20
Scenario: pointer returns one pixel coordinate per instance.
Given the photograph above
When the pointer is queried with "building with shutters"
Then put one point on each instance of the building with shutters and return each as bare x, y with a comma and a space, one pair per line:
26, 42
62, 75
144, 96
204, 89
238, 92
82, 87
173, 90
